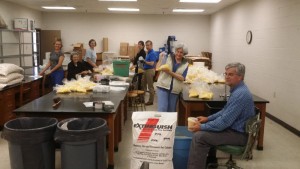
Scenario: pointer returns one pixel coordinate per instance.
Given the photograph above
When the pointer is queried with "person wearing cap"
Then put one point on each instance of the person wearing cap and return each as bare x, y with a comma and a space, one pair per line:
173, 69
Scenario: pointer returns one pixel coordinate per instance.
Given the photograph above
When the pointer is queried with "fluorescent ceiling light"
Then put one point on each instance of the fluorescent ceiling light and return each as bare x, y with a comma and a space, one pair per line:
124, 9
59, 7
188, 10
120, 0
201, 1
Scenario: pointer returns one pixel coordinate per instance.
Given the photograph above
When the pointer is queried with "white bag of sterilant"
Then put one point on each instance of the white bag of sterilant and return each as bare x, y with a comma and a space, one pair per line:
153, 140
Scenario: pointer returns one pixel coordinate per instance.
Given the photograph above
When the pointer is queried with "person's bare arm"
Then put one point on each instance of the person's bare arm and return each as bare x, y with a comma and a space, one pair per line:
91, 62
46, 67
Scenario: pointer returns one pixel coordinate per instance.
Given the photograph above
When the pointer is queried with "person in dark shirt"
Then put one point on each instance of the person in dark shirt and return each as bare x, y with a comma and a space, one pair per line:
76, 68
141, 53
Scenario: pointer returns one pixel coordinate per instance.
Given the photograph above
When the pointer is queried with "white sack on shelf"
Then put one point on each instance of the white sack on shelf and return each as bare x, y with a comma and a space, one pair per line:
10, 77
7, 68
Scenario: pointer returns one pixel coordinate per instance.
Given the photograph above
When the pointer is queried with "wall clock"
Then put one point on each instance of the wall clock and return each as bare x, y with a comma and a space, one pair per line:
249, 37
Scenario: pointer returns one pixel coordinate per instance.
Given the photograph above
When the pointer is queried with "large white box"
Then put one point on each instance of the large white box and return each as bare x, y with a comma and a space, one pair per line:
21, 23
24, 24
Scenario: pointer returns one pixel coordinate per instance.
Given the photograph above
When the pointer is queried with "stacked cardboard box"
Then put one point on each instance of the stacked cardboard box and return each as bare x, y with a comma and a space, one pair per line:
105, 44
124, 48
99, 59
131, 52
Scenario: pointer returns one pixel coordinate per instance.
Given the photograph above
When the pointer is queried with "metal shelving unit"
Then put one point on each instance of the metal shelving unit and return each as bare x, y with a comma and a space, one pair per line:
16, 46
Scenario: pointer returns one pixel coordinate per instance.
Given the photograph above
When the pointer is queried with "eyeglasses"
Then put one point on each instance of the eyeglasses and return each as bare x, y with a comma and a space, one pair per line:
229, 74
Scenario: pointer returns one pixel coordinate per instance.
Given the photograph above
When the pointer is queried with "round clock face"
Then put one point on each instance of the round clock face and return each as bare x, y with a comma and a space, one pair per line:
249, 37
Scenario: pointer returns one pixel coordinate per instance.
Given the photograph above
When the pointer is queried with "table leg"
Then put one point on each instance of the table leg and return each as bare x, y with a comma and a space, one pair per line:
125, 108
187, 113
117, 127
111, 145
260, 139
181, 113
184, 112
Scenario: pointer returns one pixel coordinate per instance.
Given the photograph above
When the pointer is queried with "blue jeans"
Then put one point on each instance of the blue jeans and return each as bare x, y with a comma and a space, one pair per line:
166, 101
57, 77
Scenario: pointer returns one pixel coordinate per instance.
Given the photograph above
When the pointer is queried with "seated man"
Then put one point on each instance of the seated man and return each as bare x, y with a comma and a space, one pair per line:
226, 126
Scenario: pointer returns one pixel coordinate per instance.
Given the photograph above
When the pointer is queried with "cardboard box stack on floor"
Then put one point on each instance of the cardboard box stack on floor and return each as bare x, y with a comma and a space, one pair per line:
131, 52
127, 51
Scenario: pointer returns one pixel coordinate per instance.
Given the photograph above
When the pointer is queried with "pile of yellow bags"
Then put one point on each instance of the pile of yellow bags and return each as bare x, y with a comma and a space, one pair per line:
80, 85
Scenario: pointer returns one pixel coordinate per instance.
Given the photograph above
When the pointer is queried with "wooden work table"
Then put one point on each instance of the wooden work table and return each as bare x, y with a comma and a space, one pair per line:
195, 107
16, 95
72, 106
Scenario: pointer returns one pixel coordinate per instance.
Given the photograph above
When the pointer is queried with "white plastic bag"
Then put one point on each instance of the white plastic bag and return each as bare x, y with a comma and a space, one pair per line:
153, 139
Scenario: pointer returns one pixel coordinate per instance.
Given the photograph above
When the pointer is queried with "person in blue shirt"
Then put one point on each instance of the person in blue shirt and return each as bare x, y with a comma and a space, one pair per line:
91, 56
170, 81
226, 126
149, 68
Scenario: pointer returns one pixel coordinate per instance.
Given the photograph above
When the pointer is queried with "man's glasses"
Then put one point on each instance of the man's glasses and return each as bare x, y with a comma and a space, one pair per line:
229, 74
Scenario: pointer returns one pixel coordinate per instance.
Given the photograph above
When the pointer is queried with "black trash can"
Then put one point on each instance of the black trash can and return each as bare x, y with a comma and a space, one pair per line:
30, 142
83, 143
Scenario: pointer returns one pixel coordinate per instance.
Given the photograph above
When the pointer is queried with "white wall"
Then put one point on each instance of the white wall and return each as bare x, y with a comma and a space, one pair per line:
10, 11
193, 30
272, 60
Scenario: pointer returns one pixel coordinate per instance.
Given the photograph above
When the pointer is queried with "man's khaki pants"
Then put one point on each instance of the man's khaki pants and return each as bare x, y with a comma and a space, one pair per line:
148, 83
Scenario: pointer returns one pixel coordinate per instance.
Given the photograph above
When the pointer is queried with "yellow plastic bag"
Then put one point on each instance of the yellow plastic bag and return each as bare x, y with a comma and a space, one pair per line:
165, 66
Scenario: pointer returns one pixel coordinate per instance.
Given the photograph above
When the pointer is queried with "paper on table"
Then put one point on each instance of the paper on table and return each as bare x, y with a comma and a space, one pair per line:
118, 83
113, 88
88, 104
110, 103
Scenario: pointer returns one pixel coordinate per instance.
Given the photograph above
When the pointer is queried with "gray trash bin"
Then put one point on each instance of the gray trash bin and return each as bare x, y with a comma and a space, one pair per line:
83, 143
30, 142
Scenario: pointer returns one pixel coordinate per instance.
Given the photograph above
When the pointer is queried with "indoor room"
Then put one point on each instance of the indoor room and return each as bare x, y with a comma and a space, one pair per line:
113, 89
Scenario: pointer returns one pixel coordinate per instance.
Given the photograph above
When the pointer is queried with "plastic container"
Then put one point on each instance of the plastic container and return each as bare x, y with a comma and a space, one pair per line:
182, 142
30, 142
108, 58
121, 68
83, 143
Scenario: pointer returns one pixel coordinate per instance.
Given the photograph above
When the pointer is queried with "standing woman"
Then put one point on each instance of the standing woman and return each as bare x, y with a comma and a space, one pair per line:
170, 80
141, 53
91, 56
55, 63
